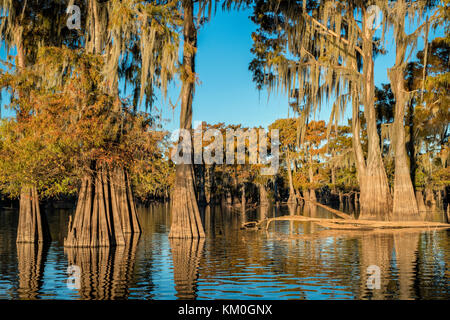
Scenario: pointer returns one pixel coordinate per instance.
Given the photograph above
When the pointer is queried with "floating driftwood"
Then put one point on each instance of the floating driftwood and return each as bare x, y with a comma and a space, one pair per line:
343, 224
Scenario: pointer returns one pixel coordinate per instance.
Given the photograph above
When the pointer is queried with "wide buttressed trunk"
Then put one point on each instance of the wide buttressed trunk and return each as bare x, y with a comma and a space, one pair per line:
375, 197
33, 226
405, 205
105, 210
186, 222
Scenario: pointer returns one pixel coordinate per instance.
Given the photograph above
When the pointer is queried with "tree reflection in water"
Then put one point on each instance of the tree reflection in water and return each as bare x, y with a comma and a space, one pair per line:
289, 260
186, 255
105, 272
31, 262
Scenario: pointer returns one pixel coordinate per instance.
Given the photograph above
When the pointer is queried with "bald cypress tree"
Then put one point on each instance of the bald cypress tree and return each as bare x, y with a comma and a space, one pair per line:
137, 42
324, 49
186, 221
399, 14
27, 26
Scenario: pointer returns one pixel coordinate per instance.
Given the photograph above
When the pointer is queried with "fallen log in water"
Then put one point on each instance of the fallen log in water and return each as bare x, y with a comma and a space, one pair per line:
343, 224
326, 233
336, 212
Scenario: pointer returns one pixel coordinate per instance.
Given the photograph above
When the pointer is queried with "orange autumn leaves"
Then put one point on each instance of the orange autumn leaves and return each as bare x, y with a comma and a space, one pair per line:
65, 120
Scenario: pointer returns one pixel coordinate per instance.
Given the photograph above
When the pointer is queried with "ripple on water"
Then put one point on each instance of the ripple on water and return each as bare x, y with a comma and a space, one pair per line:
230, 264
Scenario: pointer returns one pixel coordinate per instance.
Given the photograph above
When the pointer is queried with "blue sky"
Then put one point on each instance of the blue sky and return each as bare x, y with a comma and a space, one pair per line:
226, 92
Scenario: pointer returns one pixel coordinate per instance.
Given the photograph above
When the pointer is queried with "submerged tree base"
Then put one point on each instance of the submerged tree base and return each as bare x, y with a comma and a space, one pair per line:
33, 226
105, 210
375, 199
186, 222
405, 202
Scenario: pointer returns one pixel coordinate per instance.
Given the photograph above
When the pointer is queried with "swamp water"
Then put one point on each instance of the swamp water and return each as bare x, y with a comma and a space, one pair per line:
291, 260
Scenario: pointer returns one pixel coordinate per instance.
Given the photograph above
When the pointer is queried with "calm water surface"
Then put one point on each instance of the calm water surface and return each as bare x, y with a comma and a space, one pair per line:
291, 260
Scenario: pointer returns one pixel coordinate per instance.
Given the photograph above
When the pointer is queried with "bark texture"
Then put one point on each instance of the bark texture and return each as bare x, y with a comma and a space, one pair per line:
33, 226
292, 197
186, 222
312, 195
405, 205
420, 203
263, 197
375, 199
105, 210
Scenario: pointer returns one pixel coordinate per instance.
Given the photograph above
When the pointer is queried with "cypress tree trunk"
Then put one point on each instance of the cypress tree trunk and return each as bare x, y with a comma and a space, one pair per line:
292, 197
263, 199
201, 184
126, 207
186, 221
33, 226
243, 200
429, 197
306, 194
405, 205
420, 202
375, 196
228, 198
375, 199
105, 210
208, 196
212, 184
263, 212
312, 195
